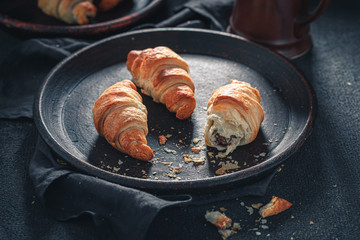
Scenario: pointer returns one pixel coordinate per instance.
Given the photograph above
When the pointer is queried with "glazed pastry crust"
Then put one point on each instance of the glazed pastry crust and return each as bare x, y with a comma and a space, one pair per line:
234, 116
120, 116
163, 75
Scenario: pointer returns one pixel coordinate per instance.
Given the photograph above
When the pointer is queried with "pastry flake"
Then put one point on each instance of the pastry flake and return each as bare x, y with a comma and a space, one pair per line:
220, 220
274, 207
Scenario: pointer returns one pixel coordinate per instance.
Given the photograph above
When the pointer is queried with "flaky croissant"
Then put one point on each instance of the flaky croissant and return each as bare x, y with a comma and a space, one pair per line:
75, 11
120, 116
163, 75
234, 116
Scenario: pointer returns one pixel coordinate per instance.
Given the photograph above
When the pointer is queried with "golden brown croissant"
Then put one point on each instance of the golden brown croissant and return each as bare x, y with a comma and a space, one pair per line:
234, 116
121, 117
163, 75
75, 11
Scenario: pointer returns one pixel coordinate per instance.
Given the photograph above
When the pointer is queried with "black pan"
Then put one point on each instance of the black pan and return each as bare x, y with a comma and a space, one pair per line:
24, 16
63, 110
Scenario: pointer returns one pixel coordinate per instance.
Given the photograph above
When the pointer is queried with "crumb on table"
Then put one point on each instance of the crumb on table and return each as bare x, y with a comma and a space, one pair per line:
274, 207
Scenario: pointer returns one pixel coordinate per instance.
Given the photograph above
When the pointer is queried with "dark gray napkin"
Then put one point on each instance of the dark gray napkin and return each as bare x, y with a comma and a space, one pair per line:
209, 14
23, 70
67, 192
217, 12
125, 212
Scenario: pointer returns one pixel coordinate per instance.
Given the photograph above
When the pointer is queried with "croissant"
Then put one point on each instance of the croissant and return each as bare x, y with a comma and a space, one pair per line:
234, 116
163, 75
75, 11
120, 116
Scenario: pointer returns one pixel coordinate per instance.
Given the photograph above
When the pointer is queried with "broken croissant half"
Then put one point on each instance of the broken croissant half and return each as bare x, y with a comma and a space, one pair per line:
234, 116
120, 116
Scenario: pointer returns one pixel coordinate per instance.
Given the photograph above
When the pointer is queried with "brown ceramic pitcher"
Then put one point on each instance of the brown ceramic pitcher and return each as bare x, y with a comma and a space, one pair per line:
281, 25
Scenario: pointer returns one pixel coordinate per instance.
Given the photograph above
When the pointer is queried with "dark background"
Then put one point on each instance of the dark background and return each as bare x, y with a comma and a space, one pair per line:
322, 179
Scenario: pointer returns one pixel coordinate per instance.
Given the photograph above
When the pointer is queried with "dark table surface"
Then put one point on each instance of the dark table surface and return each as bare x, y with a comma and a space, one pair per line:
322, 179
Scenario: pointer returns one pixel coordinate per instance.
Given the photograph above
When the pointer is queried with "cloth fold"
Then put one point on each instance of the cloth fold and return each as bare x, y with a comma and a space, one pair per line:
68, 193
209, 14
24, 69
216, 12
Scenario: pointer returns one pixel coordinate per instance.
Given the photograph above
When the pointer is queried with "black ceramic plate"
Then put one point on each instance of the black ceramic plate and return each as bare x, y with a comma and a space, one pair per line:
63, 110
25, 17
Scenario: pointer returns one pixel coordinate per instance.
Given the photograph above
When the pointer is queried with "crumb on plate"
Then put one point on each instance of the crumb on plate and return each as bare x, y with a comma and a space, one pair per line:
162, 139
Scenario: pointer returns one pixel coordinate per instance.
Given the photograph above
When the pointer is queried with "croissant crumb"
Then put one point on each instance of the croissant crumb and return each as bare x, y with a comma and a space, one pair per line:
220, 220
274, 207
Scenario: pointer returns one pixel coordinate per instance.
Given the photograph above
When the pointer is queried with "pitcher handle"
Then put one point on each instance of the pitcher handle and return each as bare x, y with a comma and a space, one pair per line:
302, 22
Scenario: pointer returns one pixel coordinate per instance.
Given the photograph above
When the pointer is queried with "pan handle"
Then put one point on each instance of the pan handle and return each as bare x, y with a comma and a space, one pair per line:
301, 24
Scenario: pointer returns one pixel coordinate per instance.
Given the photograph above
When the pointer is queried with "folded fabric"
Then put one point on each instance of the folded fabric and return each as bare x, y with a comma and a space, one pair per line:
24, 69
67, 194
217, 12
126, 212
209, 14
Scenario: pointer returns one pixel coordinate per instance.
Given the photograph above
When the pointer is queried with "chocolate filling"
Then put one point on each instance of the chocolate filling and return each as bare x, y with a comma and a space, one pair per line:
223, 141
